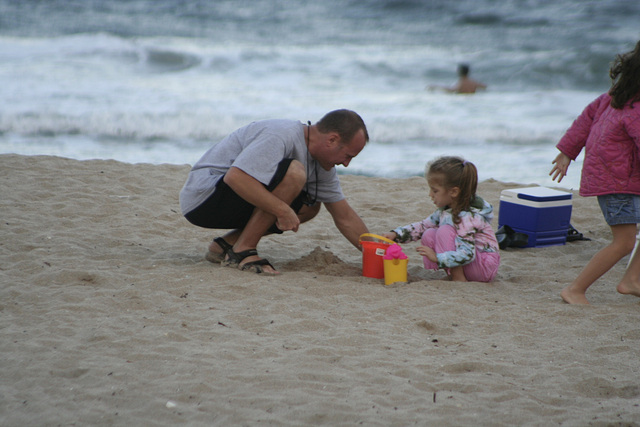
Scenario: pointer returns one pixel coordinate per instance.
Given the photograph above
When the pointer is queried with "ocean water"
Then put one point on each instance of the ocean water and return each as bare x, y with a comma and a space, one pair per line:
160, 81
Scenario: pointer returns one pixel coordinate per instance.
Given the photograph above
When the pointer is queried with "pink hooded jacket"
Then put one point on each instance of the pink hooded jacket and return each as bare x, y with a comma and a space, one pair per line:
611, 139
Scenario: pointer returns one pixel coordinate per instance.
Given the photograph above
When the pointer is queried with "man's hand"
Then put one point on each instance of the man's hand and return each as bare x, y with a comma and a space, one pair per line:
251, 190
288, 222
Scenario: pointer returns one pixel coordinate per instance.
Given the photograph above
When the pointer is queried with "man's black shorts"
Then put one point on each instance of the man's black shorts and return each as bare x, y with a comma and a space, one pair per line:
224, 209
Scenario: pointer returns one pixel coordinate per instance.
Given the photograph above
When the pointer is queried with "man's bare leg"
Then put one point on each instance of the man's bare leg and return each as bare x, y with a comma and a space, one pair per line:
260, 221
307, 213
216, 252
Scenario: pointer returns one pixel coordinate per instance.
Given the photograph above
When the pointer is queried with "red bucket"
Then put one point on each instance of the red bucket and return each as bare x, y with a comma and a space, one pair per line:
372, 252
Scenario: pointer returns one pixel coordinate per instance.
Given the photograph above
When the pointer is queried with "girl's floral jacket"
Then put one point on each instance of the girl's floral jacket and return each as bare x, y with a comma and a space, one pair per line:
474, 233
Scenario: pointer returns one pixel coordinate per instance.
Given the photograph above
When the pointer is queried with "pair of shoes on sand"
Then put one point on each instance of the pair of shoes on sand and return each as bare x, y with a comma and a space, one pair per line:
229, 258
509, 238
573, 235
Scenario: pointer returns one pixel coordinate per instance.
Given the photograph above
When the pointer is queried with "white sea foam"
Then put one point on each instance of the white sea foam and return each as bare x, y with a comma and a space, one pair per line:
132, 93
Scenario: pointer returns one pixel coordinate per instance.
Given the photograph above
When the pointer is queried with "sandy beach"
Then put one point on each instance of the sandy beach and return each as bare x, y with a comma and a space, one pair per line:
110, 315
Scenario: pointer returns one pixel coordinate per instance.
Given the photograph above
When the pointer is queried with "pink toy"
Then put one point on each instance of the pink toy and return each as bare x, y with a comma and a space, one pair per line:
394, 252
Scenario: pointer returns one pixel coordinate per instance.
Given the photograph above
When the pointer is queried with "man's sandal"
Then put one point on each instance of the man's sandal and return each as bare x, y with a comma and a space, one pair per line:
235, 258
218, 257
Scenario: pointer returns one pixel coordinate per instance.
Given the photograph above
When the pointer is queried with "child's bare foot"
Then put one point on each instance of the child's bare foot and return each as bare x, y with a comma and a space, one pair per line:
629, 288
573, 297
457, 275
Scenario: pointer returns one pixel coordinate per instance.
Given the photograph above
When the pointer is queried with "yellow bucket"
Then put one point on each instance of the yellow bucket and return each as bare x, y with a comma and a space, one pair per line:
395, 270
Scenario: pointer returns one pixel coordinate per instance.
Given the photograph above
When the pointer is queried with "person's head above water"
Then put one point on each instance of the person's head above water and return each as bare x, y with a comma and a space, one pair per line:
463, 70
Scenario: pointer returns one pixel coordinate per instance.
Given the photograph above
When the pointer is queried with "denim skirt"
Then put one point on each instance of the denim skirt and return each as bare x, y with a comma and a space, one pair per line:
620, 208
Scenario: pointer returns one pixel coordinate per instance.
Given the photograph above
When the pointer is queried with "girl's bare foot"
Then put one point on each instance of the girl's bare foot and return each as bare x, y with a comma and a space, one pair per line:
457, 274
573, 297
629, 288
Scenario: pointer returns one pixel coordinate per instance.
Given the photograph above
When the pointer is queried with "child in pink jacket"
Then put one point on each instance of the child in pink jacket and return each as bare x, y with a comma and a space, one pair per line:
609, 131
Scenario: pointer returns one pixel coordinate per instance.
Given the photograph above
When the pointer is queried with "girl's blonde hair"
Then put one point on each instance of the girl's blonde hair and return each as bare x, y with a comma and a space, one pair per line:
455, 172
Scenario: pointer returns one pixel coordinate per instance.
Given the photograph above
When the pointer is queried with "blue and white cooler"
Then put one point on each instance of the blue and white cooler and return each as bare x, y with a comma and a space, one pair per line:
541, 213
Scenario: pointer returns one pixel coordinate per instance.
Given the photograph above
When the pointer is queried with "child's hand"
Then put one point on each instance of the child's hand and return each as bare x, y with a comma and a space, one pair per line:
561, 164
390, 235
427, 252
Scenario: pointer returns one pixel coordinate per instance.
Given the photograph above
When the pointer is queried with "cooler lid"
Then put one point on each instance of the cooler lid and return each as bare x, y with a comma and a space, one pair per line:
538, 194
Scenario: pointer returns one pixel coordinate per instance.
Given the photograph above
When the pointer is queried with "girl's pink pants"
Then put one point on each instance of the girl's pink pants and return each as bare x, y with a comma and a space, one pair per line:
484, 266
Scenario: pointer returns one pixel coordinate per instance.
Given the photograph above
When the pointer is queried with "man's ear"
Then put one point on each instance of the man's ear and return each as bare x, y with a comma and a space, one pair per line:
333, 138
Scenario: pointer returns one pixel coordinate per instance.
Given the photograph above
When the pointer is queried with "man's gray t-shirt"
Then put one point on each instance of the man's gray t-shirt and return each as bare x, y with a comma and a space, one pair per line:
257, 149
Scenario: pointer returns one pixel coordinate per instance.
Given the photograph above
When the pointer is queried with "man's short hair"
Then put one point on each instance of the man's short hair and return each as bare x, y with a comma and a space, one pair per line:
345, 123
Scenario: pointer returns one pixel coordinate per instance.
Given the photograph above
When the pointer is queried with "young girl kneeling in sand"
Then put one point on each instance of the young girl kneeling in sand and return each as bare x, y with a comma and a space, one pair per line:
458, 236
